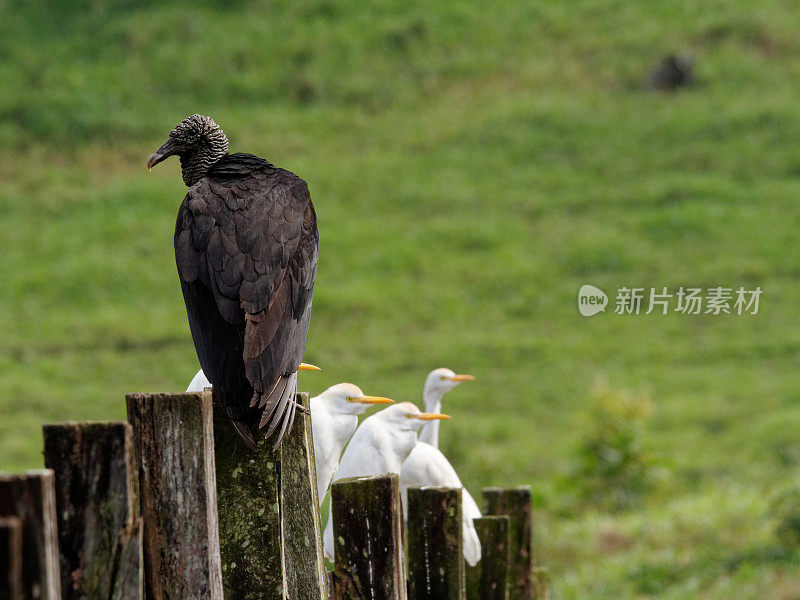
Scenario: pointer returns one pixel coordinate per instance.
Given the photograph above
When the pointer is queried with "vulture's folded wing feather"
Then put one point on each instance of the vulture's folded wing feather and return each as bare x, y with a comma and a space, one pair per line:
248, 232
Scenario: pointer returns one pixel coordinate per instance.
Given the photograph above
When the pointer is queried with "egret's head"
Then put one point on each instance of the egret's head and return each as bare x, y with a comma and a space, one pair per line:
347, 398
198, 141
443, 380
407, 417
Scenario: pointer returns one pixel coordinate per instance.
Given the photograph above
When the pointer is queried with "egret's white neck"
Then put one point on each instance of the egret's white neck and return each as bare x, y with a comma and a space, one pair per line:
429, 433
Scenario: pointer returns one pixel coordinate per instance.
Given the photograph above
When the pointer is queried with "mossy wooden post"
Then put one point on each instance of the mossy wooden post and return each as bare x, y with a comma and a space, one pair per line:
30, 497
435, 544
305, 566
488, 580
270, 539
516, 504
174, 453
248, 500
96, 506
10, 558
368, 534
541, 583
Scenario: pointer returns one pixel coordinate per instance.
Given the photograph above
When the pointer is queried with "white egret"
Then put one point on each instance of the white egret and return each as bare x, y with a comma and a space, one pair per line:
334, 418
427, 466
437, 384
379, 446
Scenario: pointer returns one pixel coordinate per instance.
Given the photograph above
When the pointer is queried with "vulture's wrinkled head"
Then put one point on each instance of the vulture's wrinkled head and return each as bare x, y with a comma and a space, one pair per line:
198, 141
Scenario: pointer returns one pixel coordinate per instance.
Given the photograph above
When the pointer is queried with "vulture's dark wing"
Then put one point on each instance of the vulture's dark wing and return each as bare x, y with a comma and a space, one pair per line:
248, 232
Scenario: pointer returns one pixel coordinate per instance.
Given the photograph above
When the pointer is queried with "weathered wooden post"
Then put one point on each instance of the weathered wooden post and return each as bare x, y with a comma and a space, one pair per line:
541, 583
368, 538
10, 558
248, 500
330, 581
270, 537
488, 580
96, 508
30, 498
305, 567
435, 544
174, 454
129, 581
516, 504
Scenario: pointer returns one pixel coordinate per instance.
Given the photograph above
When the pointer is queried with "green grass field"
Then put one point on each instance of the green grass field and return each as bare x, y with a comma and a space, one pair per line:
472, 166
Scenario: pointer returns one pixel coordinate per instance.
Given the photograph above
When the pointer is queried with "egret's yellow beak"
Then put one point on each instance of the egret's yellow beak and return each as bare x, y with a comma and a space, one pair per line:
459, 378
307, 367
429, 416
371, 400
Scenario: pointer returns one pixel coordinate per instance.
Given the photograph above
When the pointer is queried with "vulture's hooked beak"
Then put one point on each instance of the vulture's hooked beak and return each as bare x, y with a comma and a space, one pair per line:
166, 150
371, 400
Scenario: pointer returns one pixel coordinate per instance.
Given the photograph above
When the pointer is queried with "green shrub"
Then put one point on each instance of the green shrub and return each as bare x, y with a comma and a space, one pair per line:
784, 511
611, 467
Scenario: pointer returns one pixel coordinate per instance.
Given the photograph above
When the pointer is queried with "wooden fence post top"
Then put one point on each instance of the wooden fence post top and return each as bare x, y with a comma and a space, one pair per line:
12, 523
541, 583
87, 424
167, 396
366, 515
435, 542
174, 452
516, 503
305, 567
270, 540
377, 478
520, 490
95, 486
434, 489
30, 496
488, 580
10, 558
29, 474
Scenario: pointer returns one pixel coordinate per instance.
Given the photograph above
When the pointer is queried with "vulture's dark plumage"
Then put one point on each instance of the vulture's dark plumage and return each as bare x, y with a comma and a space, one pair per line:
246, 246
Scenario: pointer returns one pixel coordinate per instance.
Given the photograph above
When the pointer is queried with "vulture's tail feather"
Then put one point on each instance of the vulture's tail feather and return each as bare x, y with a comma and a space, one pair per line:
290, 410
244, 431
264, 398
281, 409
269, 402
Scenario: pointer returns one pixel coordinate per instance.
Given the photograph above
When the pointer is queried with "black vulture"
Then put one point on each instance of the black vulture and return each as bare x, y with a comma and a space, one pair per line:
246, 246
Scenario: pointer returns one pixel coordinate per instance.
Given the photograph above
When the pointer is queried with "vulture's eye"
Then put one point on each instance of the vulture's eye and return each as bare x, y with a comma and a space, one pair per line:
186, 134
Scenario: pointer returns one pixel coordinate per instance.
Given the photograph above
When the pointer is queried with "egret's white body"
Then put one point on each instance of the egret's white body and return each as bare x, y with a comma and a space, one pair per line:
380, 445
334, 418
427, 466
199, 383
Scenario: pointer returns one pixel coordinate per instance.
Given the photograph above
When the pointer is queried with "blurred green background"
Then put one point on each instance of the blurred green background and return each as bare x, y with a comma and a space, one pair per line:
472, 165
